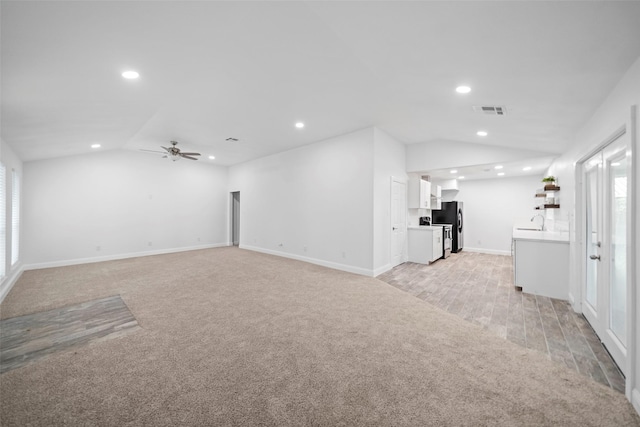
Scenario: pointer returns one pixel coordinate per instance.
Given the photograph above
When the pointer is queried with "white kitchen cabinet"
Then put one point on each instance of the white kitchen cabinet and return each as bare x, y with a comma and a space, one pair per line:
436, 196
419, 196
541, 263
425, 244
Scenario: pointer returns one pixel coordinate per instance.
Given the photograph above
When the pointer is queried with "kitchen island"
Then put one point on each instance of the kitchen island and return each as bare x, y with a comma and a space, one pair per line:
541, 262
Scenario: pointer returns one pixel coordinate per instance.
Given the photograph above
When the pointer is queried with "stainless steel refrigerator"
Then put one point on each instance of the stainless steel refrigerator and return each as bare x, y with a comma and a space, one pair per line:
451, 213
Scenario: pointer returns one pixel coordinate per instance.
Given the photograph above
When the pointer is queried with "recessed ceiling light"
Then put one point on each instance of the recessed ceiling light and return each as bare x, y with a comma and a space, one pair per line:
453, 171
500, 173
498, 167
463, 89
299, 125
212, 157
482, 133
130, 74
526, 168
461, 177
95, 145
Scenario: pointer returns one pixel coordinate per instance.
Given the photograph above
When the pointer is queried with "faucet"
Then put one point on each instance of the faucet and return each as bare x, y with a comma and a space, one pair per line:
541, 216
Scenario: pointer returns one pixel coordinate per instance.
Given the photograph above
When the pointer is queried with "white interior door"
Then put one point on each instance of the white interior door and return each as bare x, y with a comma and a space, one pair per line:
398, 220
606, 287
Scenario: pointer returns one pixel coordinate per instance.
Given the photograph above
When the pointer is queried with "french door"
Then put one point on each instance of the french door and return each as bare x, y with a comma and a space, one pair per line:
606, 285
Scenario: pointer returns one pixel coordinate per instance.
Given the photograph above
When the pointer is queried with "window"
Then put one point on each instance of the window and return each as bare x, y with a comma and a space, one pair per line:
3, 224
15, 216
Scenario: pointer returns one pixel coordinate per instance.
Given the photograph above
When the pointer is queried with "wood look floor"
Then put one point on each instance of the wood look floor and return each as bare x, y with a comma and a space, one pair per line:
28, 338
479, 288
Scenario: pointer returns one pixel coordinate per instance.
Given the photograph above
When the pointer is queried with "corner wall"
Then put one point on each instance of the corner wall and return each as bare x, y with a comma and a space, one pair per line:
613, 113
313, 203
120, 203
491, 206
388, 161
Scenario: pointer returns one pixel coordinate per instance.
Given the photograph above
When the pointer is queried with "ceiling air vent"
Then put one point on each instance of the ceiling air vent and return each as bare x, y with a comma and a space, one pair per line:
493, 110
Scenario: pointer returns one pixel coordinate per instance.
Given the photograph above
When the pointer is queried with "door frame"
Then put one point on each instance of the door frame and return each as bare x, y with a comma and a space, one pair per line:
580, 251
232, 218
405, 210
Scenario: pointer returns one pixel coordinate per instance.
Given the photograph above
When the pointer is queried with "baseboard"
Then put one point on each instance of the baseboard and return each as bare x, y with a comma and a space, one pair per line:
64, 263
380, 270
487, 251
9, 281
635, 399
334, 265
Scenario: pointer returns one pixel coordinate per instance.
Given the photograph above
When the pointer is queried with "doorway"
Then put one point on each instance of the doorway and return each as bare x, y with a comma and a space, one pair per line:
606, 257
235, 218
398, 220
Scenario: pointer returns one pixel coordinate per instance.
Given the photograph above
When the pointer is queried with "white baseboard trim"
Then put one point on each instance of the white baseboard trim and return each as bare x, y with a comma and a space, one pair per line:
380, 270
487, 251
635, 399
9, 281
330, 264
64, 263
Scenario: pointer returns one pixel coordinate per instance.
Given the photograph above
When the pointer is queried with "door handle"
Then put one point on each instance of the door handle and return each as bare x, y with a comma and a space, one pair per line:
595, 257
394, 228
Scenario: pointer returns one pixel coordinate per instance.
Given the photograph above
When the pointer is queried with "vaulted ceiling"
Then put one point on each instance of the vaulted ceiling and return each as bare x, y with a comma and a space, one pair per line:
251, 70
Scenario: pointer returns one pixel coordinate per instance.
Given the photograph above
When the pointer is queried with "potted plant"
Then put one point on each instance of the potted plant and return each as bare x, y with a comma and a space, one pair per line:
550, 182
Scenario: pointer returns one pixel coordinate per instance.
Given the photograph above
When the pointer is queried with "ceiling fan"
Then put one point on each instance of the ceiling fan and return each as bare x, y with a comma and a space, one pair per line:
174, 152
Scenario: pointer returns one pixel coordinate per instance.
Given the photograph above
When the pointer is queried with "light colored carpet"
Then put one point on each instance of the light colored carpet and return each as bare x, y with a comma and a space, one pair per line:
232, 337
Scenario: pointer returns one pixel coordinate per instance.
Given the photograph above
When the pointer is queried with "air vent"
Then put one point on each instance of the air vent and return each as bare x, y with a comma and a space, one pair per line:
493, 110
232, 139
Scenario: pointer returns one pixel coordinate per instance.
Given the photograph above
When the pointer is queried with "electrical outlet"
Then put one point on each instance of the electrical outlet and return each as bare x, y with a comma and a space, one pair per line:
198, 239
98, 248
149, 243
304, 248
344, 254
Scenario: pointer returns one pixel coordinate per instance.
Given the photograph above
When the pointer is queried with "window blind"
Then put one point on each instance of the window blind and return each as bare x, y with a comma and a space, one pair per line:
15, 217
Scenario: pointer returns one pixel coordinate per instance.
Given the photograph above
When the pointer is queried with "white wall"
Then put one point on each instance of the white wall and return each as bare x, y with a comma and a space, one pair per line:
490, 208
111, 204
445, 154
313, 203
388, 160
11, 161
612, 114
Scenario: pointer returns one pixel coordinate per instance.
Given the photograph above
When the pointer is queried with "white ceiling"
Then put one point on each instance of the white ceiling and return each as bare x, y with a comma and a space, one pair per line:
534, 166
250, 70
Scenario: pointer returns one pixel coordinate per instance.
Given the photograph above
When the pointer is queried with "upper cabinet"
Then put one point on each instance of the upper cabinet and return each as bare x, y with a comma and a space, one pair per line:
419, 196
436, 196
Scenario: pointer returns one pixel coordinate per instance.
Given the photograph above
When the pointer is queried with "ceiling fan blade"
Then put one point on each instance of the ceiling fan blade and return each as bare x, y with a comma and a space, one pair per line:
190, 154
165, 148
187, 157
152, 151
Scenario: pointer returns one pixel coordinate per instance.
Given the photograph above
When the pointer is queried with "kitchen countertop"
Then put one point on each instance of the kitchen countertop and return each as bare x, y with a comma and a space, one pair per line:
424, 227
542, 236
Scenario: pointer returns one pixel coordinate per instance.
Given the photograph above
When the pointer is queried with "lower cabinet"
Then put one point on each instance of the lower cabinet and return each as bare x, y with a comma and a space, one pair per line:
425, 244
542, 267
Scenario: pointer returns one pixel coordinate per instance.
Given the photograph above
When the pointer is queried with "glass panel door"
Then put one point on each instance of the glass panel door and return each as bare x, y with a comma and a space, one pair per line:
618, 220
592, 193
606, 290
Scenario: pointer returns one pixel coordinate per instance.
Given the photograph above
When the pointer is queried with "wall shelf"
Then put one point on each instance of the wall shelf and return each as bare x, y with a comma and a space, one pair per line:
544, 193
